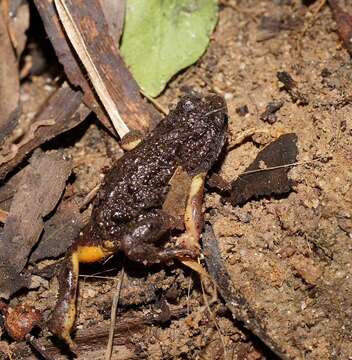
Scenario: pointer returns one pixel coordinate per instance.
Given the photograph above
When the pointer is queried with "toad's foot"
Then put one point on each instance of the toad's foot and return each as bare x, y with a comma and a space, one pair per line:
63, 316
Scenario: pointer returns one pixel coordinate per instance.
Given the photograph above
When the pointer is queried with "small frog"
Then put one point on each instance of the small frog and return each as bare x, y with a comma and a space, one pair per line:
128, 213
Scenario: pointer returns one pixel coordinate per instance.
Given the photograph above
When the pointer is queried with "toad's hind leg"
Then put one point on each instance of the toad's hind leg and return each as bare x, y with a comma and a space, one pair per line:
193, 219
193, 214
63, 317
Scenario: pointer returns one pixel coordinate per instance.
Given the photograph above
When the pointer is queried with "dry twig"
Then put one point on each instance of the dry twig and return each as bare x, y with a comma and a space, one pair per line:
115, 302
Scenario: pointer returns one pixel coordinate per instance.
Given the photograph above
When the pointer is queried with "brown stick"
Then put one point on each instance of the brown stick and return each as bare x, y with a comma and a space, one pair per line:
90, 24
67, 58
115, 302
90, 20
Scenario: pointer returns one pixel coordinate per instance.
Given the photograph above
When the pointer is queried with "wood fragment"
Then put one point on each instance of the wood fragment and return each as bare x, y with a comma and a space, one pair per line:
73, 71
77, 40
269, 115
33, 342
135, 112
60, 231
63, 111
114, 12
9, 83
256, 181
292, 88
37, 194
89, 35
17, 22
218, 183
3, 216
344, 23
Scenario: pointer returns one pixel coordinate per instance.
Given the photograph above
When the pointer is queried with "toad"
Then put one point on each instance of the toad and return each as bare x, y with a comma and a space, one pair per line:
128, 213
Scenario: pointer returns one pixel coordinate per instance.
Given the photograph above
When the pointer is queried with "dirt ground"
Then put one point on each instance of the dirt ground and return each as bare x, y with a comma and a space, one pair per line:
290, 256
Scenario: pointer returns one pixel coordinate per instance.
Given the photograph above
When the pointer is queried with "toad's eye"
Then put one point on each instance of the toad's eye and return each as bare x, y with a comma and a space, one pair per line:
188, 105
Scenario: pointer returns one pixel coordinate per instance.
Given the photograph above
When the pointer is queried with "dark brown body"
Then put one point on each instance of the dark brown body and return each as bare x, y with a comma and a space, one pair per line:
127, 213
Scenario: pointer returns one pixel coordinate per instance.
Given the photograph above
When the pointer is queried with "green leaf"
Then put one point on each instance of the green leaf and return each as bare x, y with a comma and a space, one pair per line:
161, 37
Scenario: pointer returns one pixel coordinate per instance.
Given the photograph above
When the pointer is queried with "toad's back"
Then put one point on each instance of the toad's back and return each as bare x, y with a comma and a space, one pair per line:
191, 136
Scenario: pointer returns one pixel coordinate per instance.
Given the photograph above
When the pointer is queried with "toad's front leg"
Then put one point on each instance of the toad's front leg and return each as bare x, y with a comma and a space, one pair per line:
137, 242
142, 234
82, 251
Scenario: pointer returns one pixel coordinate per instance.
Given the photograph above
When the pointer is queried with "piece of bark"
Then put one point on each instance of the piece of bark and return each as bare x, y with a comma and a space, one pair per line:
37, 194
77, 75
100, 86
269, 115
63, 111
344, 24
114, 12
3, 216
87, 30
74, 72
235, 301
257, 181
17, 21
60, 231
9, 83
218, 183
292, 88
7, 191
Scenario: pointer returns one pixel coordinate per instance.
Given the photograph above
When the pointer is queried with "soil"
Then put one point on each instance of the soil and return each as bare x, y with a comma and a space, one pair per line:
290, 256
